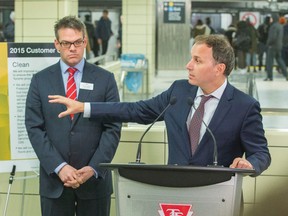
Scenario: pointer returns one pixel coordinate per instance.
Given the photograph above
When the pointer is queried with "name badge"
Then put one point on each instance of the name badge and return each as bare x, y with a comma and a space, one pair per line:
86, 86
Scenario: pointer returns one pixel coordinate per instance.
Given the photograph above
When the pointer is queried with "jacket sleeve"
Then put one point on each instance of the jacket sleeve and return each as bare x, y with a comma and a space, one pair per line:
254, 141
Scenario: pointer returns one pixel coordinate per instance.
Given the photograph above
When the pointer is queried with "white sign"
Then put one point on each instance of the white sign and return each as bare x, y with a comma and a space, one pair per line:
24, 60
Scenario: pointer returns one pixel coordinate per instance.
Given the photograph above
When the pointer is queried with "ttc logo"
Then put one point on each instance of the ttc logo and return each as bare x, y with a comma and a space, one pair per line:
175, 210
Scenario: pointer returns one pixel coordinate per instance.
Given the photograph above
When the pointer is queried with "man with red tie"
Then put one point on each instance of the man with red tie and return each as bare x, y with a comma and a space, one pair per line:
70, 149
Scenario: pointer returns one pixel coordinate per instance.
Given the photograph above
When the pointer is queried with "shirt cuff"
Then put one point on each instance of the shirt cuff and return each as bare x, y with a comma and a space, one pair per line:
87, 110
59, 167
95, 173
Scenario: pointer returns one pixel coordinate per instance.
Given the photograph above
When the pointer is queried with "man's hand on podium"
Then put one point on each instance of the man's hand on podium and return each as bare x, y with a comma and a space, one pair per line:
241, 163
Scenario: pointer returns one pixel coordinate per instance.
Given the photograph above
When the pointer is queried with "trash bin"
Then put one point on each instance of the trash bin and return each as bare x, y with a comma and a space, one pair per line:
134, 66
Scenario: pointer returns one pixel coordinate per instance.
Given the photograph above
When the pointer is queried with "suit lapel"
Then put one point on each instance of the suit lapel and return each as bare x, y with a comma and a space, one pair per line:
56, 80
191, 93
221, 111
89, 76
185, 110
58, 88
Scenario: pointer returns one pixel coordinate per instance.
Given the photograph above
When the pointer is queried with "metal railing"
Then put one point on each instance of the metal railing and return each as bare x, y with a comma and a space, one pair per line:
99, 59
245, 82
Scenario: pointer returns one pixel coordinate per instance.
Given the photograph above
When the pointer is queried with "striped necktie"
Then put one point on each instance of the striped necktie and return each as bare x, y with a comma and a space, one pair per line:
196, 122
71, 86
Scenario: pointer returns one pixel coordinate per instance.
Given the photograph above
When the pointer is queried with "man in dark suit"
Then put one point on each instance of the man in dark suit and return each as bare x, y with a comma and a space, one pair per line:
103, 31
70, 149
233, 116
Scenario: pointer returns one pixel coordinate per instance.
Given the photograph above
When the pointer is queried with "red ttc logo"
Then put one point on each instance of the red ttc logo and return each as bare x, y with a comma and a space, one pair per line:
175, 210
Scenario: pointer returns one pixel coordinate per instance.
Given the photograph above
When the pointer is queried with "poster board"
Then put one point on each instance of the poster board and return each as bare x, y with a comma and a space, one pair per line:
19, 61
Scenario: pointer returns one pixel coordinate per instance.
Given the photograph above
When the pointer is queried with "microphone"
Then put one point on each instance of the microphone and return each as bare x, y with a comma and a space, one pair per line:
190, 102
12, 174
172, 101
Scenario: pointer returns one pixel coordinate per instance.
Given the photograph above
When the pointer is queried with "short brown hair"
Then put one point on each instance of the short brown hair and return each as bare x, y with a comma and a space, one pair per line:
69, 22
222, 51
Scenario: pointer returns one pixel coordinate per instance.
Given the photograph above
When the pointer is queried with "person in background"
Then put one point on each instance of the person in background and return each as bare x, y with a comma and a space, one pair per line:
230, 34
103, 31
282, 20
274, 50
251, 55
71, 149
96, 45
119, 38
242, 44
9, 28
2, 38
199, 29
285, 41
262, 40
90, 34
232, 116
209, 30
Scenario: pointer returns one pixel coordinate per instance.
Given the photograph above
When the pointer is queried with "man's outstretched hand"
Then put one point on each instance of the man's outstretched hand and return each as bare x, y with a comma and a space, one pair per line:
72, 106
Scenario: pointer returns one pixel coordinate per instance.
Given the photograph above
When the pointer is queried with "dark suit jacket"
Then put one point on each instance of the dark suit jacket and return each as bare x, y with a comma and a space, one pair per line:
81, 142
236, 125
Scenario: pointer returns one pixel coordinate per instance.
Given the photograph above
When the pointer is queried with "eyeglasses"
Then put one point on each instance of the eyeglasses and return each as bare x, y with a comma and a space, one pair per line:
66, 44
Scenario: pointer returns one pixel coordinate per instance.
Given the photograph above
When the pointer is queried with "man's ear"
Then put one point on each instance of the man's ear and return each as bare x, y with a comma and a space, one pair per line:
57, 45
221, 68
85, 41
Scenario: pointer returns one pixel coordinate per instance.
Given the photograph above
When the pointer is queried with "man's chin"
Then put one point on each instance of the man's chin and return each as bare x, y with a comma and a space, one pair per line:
73, 61
191, 82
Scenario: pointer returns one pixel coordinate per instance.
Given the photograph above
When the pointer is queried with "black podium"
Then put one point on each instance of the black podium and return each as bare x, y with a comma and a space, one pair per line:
164, 190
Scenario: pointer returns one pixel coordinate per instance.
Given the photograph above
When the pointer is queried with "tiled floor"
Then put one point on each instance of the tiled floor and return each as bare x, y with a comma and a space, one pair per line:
271, 94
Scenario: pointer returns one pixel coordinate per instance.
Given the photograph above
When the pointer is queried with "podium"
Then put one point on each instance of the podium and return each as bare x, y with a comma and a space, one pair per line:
167, 190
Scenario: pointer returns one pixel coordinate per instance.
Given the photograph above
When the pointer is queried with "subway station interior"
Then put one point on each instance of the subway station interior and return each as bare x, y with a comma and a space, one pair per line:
164, 49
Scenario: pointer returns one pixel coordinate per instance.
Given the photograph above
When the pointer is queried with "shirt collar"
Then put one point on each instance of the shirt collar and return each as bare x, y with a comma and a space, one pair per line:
79, 66
216, 94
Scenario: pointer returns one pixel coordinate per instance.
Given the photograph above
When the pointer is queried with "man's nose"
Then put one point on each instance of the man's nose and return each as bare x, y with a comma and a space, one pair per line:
189, 65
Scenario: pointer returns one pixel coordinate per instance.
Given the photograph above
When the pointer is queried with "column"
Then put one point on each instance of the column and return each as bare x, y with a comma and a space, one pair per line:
34, 19
139, 30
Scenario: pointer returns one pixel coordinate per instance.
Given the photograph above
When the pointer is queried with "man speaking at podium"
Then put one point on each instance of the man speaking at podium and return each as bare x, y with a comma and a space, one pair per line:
229, 119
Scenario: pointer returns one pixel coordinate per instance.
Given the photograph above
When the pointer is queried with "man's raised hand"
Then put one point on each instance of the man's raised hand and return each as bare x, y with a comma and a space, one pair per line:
72, 106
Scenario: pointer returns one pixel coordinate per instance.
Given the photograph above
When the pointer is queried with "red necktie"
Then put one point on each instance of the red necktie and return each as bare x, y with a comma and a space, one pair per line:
196, 122
71, 86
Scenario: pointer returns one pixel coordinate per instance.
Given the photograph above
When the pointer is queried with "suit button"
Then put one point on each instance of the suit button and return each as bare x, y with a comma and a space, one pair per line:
72, 133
